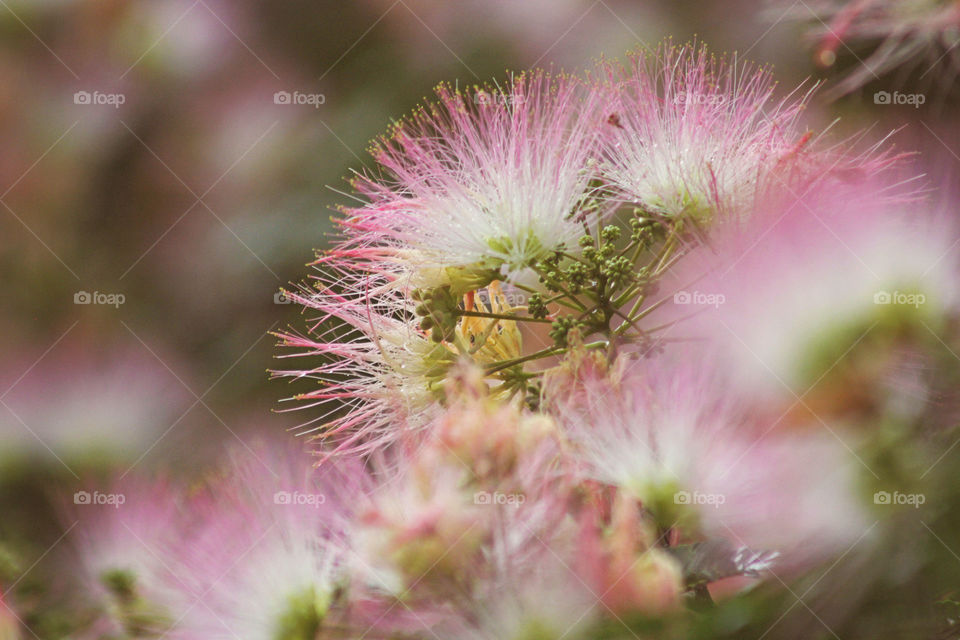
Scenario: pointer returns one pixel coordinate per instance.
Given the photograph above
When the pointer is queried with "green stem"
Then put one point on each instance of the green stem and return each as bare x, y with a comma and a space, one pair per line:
630, 291
502, 316
639, 316
673, 260
665, 325
543, 353
506, 364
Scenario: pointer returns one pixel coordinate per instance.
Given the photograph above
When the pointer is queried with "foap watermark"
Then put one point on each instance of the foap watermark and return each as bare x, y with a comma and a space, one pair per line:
885, 97
699, 98
96, 498
511, 298
486, 97
899, 298
299, 98
282, 297
896, 498
696, 498
296, 498
699, 298
99, 98
497, 497
100, 298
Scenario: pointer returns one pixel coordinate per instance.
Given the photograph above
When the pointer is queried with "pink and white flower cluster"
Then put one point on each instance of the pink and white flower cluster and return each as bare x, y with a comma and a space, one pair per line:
591, 350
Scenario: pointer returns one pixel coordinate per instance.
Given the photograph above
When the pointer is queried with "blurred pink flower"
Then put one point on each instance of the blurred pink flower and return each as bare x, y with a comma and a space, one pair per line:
465, 513
902, 35
787, 302
116, 404
675, 438
127, 536
257, 552
263, 555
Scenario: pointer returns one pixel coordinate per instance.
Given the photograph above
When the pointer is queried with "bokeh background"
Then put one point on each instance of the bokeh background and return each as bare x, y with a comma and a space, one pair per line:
156, 191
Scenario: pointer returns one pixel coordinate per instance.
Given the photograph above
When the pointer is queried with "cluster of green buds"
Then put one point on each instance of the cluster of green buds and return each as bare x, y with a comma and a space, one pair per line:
616, 265
438, 310
599, 291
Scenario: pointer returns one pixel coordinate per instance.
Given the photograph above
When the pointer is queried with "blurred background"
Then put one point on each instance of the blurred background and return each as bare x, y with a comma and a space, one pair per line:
167, 165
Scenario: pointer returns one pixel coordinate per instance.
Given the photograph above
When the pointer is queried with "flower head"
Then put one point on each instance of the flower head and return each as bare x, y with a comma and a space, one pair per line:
379, 375
483, 483
833, 292
125, 542
266, 553
479, 183
672, 437
690, 135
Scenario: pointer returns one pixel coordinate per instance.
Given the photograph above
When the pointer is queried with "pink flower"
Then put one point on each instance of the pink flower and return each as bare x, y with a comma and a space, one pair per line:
821, 305
378, 374
476, 185
264, 553
126, 537
691, 135
464, 514
259, 552
625, 562
674, 438
118, 408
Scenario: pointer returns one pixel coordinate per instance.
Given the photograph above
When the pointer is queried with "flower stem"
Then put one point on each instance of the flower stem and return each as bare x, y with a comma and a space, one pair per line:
502, 316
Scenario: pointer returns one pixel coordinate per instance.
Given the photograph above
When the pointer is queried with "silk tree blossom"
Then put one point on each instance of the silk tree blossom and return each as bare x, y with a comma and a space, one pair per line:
836, 292
265, 555
483, 533
259, 552
476, 185
118, 409
379, 375
672, 437
506, 190
624, 561
542, 601
124, 540
468, 501
692, 136
905, 36
381, 368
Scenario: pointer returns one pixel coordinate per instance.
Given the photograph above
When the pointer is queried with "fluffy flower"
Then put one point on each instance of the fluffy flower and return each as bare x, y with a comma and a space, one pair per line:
257, 553
266, 549
118, 409
543, 600
381, 369
690, 135
827, 294
674, 439
379, 375
466, 512
477, 184
125, 536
